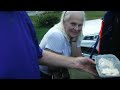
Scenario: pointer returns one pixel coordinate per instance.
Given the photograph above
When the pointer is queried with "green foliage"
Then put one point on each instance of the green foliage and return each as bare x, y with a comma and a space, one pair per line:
48, 19
35, 20
40, 32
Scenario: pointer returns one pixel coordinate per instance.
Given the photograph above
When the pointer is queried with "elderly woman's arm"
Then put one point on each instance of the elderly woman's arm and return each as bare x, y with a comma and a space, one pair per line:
75, 51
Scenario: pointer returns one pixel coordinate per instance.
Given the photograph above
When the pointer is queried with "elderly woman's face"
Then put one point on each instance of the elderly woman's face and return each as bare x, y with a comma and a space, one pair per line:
73, 26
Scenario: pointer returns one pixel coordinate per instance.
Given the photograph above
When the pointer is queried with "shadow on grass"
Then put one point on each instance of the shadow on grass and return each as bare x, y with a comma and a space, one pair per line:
76, 74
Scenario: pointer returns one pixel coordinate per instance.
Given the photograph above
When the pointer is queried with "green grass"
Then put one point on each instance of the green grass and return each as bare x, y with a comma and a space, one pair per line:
75, 74
94, 14
40, 32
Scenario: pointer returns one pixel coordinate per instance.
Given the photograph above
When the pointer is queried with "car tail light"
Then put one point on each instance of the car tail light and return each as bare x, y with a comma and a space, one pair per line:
100, 35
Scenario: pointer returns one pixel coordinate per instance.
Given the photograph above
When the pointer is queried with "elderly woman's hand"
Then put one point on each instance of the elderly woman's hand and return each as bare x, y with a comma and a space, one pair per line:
73, 39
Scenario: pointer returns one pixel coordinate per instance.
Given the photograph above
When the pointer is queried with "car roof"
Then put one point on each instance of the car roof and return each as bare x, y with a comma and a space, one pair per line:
92, 27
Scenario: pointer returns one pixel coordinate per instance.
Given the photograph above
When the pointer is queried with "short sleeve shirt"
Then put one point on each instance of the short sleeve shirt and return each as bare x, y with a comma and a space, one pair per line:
55, 40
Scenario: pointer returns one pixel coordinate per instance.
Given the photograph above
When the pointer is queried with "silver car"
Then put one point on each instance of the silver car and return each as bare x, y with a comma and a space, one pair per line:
90, 32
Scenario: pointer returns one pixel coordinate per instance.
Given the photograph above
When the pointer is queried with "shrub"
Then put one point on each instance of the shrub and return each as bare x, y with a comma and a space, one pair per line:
49, 19
35, 20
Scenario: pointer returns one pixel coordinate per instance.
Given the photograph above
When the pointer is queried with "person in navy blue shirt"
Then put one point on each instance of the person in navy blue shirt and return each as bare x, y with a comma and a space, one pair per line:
20, 54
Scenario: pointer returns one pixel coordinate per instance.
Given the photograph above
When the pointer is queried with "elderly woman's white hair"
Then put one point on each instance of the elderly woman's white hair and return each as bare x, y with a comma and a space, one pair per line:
66, 15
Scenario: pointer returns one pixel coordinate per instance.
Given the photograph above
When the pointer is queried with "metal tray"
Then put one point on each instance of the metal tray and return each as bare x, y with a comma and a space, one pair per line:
111, 58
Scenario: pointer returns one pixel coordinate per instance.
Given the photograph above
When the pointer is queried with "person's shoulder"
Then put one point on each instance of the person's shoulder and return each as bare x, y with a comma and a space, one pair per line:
55, 32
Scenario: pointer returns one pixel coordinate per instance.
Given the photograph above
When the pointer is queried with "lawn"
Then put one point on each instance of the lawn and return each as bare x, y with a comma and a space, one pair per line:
40, 33
75, 73
94, 14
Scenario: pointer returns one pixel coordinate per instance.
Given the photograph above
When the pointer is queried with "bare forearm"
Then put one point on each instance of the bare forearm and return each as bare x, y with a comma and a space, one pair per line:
75, 51
52, 59
80, 63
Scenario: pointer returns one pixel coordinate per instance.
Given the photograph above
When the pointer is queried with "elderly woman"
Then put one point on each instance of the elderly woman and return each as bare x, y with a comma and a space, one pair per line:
63, 38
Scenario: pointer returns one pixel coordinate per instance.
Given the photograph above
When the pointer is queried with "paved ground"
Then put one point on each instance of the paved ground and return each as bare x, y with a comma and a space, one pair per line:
32, 13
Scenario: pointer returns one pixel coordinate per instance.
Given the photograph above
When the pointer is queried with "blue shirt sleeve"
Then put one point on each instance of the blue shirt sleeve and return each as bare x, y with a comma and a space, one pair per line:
19, 48
33, 34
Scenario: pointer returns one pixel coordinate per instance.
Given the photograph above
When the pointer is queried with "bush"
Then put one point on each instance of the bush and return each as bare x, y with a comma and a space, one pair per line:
35, 20
49, 19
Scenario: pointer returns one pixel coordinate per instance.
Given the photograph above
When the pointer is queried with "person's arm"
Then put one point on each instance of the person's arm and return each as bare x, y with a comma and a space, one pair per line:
75, 51
80, 63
